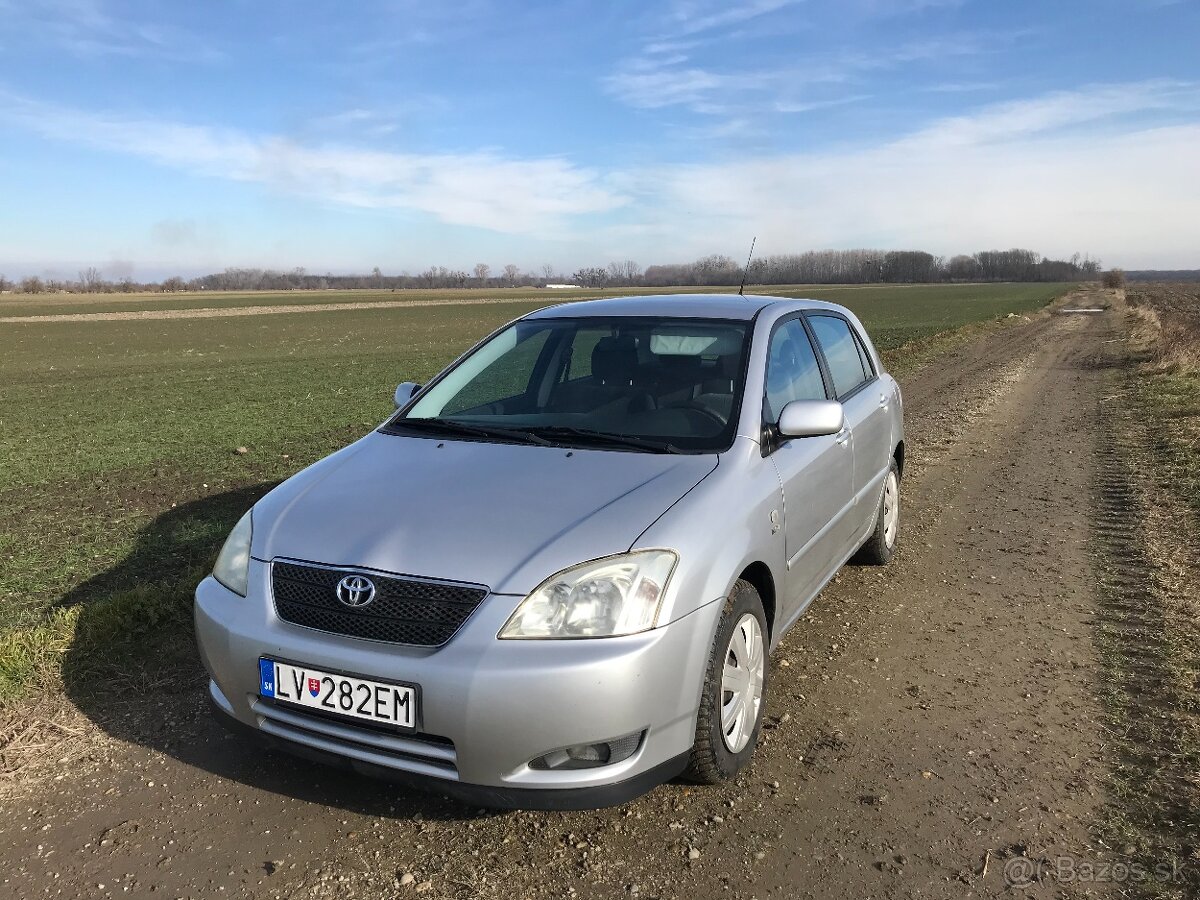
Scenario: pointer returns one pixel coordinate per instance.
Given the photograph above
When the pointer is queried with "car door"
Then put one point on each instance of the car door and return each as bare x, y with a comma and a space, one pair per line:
815, 473
858, 388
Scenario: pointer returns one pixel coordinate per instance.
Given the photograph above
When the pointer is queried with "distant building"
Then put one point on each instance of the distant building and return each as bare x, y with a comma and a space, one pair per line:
562, 286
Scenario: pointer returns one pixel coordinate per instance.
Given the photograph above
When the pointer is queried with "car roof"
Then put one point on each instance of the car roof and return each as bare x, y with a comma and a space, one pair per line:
703, 306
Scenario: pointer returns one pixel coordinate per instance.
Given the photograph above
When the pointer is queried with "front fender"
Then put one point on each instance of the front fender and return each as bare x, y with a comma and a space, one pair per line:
719, 529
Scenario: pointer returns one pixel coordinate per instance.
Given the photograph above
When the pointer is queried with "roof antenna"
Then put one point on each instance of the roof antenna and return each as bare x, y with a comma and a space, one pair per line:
747, 269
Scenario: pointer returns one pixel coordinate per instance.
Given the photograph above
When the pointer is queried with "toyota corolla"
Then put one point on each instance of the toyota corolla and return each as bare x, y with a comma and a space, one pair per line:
554, 576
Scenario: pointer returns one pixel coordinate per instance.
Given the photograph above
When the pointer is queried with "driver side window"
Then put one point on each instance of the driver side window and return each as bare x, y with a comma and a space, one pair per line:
792, 370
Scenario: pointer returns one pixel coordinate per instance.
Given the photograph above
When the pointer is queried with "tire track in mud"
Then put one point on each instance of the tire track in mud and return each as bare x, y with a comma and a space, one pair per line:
1131, 624
1149, 814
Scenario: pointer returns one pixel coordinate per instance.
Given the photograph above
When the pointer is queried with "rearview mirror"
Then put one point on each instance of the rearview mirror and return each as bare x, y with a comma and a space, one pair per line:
811, 418
405, 392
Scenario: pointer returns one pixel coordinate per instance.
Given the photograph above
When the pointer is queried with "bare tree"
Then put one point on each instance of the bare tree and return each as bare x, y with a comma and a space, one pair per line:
548, 272
173, 284
962, 268
90, 280
593, 276
5, 284
511, 274
624, 272
482, 272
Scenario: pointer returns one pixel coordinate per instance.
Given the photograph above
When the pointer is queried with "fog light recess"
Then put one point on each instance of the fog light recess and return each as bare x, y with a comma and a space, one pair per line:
589, 756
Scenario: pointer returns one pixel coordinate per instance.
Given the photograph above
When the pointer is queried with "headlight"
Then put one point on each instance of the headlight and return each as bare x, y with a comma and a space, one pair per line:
233, 564
604, 598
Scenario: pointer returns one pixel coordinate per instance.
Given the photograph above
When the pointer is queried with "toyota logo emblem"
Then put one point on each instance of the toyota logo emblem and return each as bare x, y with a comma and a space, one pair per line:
356, 590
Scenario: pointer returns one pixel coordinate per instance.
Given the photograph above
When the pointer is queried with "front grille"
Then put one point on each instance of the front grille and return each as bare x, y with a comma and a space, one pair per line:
404, 611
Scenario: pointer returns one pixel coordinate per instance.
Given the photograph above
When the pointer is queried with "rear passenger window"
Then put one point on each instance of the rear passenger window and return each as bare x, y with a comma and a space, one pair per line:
846, 364
792, 370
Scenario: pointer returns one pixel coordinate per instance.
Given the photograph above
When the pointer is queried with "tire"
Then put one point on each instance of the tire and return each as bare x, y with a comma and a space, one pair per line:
881, 545
718, 754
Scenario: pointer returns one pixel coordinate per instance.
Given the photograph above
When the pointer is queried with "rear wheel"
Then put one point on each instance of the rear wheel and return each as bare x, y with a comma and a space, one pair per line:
731, 706
881, 545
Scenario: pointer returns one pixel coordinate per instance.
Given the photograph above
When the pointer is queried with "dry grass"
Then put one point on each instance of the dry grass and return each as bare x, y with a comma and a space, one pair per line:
1167, 348
1164, 322
38, 736
1152, 657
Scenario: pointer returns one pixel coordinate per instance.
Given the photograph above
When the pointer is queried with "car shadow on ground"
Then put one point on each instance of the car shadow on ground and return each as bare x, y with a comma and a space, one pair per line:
134, 670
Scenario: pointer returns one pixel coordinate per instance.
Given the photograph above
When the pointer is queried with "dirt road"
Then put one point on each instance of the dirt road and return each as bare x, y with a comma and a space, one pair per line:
929, 724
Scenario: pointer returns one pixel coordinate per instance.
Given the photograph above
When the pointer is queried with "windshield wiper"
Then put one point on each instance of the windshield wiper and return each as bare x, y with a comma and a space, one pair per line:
600, 437
447, 426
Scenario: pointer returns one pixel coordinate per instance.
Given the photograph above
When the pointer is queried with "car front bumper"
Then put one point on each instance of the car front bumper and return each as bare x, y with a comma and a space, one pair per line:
488, 707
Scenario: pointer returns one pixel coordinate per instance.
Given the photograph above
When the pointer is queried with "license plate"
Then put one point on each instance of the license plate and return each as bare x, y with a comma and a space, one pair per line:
381, 702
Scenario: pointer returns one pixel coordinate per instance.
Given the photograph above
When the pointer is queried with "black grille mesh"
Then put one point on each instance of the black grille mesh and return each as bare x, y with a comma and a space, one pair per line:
404, 611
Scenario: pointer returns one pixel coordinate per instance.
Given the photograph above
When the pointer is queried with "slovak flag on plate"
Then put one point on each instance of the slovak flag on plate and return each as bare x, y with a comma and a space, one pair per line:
314, 686
266, 677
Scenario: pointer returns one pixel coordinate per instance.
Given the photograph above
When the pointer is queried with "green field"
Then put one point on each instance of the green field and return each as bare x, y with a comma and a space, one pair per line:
119, 440
52, 304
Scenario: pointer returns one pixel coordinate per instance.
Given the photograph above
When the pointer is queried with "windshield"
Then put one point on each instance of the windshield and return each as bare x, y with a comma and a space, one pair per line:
638, 383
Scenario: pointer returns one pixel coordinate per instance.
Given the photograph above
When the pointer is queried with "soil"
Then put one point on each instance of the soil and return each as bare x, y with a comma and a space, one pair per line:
933, 726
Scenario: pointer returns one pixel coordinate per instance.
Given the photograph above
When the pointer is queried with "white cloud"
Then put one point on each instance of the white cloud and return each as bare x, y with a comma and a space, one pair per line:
664, 78
699, 89
1061, 109
904, 7
689, 17
482, 189
1106, 169
1055, 173
86, 28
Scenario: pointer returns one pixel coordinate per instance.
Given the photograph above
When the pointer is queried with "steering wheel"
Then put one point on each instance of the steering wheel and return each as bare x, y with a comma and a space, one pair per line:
702, 409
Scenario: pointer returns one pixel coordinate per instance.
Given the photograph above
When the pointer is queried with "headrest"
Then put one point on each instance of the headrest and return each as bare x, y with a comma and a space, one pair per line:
615, 360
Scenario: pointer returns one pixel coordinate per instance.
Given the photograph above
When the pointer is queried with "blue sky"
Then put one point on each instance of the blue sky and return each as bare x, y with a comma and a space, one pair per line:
155, 138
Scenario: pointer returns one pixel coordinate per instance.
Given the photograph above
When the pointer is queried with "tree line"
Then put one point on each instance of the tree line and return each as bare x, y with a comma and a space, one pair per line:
717, 270
875, 266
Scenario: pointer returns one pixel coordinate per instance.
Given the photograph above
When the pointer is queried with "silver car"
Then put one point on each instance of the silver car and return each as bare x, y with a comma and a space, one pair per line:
552, 579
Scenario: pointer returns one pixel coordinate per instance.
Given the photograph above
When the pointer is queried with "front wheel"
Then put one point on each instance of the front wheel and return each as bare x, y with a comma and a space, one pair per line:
881, 545
731, 706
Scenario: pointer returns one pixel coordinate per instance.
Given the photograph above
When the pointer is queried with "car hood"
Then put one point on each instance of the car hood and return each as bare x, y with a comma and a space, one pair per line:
502, 515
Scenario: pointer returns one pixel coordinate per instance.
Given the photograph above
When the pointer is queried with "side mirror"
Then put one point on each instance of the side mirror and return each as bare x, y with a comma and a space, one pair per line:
405, 392
811, 418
